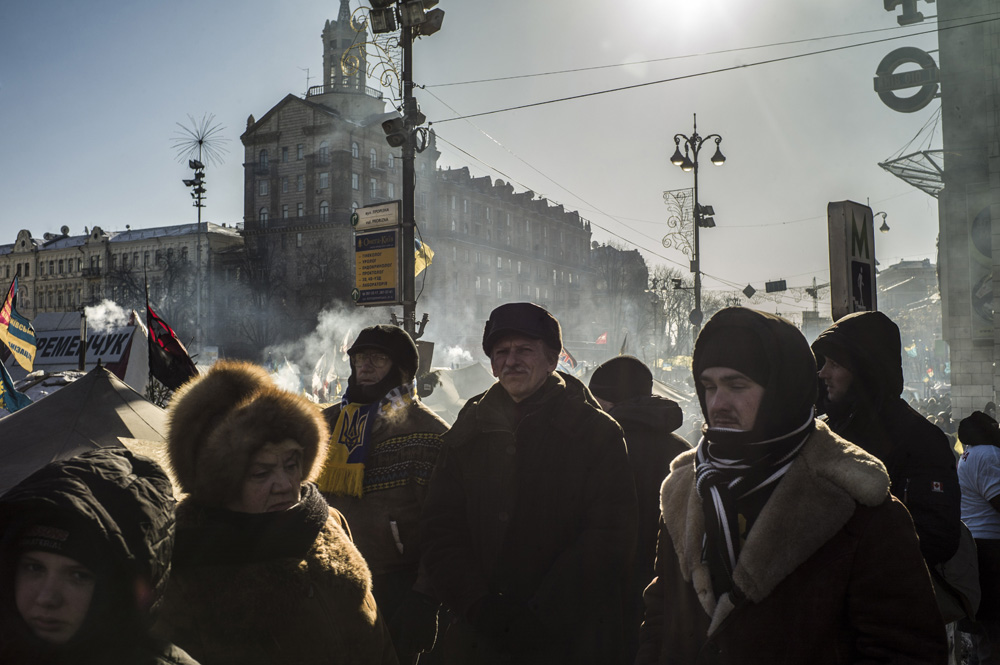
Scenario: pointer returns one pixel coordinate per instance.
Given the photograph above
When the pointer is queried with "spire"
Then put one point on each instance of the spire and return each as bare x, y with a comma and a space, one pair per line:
344, 17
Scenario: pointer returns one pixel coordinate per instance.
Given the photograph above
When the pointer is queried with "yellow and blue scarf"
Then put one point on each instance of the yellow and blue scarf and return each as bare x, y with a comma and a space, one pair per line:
344, 472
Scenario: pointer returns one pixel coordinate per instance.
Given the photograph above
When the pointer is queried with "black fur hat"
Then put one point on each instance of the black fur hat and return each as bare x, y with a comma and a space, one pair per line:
621, 378
394, 342
522, 318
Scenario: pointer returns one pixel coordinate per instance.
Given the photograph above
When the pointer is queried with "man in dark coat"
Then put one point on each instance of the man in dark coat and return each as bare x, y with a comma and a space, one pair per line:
623, 387
382, 452
861, 371
780, 541
530, 519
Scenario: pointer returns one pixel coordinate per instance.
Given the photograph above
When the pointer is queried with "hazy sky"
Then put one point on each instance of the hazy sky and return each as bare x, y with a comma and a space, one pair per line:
90, 94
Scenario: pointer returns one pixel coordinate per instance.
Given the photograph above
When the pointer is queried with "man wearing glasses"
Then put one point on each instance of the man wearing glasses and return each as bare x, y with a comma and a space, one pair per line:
383, 448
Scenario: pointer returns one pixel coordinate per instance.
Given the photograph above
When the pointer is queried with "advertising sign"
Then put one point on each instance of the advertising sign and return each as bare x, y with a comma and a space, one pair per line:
852, 258
62, 347
377, 278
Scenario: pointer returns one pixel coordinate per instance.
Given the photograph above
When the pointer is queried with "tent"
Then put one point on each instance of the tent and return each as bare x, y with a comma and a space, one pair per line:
96, 411
445, 391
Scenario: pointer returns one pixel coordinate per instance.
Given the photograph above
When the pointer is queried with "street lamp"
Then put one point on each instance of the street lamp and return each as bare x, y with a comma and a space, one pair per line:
703, 215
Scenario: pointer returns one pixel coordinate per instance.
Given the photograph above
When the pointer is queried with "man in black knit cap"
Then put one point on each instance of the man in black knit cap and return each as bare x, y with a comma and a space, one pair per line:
624, 388
530, 520
382, 451
780, 542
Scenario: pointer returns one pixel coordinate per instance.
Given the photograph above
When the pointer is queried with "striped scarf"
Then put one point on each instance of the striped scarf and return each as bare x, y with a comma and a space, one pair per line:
729, 469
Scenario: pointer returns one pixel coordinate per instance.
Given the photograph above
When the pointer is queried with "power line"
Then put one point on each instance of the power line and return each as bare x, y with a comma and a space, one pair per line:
706, 73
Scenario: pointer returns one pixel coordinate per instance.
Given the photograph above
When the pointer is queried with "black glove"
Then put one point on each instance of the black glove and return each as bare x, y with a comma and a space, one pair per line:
413, 626
508, 625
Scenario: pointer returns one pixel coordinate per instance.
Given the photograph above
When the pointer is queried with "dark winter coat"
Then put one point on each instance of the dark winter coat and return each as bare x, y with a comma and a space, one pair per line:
125, 501
830, 573
314, 608
916, 453
649, 423
542, 513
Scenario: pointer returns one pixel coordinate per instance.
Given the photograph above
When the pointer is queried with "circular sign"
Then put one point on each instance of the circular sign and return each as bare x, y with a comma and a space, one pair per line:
887, 81
354, 219
696, 317
355, 294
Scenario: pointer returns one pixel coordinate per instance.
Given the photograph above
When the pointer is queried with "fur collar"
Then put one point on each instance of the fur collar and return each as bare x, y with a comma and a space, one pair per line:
811, 503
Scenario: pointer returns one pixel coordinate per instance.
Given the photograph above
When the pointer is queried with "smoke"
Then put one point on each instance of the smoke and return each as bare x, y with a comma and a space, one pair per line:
456, 357
317, 363
106, 316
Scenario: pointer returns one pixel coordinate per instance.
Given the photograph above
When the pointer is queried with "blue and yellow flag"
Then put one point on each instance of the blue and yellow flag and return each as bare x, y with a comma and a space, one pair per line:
16, 331
422, 256
10, 399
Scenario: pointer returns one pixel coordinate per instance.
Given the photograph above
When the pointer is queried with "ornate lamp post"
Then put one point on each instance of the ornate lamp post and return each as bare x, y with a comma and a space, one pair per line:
688, 161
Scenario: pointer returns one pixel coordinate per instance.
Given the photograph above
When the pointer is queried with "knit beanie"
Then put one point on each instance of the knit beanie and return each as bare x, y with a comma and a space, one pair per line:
621, 378
978, 429
522, 318
392, 341
739, 349
59, 534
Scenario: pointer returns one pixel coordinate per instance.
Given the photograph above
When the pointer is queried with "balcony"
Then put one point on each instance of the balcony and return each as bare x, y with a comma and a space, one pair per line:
323, 89
91, 273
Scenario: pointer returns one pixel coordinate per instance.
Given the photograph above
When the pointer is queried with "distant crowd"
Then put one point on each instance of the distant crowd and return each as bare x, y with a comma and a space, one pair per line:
806, 513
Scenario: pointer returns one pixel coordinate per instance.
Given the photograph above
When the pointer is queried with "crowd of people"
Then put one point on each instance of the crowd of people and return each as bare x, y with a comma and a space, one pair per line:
818, 517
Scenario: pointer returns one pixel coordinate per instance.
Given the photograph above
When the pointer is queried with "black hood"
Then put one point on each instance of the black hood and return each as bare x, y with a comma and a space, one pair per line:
867, 344
790, 391
125, 502
653, 413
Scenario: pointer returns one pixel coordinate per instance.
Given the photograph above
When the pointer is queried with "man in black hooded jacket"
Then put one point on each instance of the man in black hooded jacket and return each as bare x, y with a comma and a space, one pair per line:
861, 370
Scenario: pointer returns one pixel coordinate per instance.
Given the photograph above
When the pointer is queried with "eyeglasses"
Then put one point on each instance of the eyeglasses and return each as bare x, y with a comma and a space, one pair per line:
376, 358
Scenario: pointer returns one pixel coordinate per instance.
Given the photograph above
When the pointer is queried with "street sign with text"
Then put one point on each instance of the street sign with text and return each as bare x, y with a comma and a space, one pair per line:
378, 216
852, 258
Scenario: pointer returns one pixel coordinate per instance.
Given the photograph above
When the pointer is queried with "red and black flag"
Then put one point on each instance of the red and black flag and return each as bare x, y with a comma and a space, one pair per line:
169, 362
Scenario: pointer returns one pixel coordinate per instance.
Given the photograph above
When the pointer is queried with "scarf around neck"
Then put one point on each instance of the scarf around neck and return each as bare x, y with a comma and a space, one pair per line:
344, 471
729, 468
208, 535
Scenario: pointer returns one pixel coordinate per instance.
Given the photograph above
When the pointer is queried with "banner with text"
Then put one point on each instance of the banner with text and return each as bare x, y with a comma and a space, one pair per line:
377, 279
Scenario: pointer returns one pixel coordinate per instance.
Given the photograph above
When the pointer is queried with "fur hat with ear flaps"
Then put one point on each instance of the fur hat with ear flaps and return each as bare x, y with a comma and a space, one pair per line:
217, 421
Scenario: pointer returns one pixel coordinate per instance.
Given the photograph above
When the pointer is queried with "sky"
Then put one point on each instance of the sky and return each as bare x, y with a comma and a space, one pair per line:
92, 96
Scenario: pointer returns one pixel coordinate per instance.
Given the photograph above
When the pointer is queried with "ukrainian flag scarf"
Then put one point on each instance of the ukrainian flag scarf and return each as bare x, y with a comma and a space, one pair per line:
344, 472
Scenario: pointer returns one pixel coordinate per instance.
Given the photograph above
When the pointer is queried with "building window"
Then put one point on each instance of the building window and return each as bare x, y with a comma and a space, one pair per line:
298, 240
324, 153
355, 150
184, 255
454, 202
373, 158
391, 190
27, 270
263, 159
324, 180
373, 187
284, 184
300, 183
422, 199
479, 284
284, 154
453, 225
355, 181
487, 213
52, 267
124, 261
284, 211
60, 266
262, 187
392, 161
300, 151
261, 216
465, 206
324, 210
354, 205
499, 263
299, 209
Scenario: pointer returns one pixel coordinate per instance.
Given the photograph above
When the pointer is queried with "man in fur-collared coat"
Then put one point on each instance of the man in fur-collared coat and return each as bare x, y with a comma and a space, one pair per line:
780, 542
264, 572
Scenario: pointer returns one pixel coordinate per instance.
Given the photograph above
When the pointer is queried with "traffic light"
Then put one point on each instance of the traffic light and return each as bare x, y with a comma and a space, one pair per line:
395, 132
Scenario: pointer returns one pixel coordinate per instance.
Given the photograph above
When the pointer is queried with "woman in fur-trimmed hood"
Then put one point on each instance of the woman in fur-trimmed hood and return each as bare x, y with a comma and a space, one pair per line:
264, 571
779, 541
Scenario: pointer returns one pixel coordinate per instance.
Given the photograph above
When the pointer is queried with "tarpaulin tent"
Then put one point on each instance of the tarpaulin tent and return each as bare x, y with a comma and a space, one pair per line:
445, 391
96, 411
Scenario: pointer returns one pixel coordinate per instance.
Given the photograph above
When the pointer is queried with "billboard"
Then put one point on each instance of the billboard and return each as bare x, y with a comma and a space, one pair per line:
377, 268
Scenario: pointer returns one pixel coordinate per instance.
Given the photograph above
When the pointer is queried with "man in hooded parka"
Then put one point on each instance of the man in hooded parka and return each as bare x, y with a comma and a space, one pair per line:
108, 514
862, 374
780, 542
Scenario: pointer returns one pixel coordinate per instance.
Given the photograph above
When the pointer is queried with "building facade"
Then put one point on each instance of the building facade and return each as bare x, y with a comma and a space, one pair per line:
310, 162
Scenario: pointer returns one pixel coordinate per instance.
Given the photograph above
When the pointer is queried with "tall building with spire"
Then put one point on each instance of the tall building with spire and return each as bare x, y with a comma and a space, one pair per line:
309, 161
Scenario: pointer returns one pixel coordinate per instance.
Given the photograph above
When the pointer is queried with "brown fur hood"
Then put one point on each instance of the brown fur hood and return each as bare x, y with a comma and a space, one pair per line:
811, 503
219, 420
